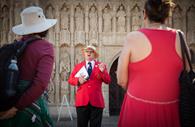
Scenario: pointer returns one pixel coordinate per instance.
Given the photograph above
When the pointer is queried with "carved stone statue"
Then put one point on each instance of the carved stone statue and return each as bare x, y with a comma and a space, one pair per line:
50, 14
93, 38
5, 25
65, 26
191, 26
64, 16
177, 19
79, 37
136, 19
93, 19
64, 64
79, 19
121, 19
51, 90
64, 73
107, 20
79, 26
52, 82
64, 37
79, 56
17, 11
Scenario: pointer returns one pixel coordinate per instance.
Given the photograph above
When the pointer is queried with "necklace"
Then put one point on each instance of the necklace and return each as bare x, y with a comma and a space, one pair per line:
156, 26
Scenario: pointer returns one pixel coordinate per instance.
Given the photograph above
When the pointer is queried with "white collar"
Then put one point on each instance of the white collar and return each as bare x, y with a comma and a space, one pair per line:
92, 63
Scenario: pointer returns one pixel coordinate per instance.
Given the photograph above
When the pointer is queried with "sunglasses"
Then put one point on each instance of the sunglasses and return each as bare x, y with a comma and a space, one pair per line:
89, 51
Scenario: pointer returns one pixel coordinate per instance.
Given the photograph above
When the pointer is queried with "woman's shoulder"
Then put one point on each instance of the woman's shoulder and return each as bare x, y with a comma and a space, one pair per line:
42, 47
42, 43
134, 36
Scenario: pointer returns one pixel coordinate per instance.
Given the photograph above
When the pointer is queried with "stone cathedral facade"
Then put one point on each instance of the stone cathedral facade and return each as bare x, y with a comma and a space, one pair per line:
102, 23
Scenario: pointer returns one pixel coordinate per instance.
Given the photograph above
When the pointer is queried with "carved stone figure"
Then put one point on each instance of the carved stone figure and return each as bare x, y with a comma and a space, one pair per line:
79, 37
136, 19
65, 26
93, 41
17, 11
177, 19
78, 57
121, 19
64, 73
50, 14
107, 17
191, 26
65, 14
93, 19
93, 38
52, 82
64, 37
64, 64
5, 25
51, 90
79, 19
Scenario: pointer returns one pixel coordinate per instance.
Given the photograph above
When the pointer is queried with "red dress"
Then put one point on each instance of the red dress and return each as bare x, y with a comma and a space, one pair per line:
151, 99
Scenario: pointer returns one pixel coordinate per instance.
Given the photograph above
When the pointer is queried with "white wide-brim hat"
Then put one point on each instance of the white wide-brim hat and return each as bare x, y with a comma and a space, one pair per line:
33, 21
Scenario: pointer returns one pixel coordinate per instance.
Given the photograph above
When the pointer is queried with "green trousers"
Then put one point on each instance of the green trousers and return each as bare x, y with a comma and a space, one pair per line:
36, 115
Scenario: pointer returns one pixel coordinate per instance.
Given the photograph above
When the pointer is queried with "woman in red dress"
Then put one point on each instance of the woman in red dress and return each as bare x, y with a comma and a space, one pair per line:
149, 68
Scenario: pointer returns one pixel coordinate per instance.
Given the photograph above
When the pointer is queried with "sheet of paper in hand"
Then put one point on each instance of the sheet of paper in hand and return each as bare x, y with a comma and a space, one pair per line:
82, 72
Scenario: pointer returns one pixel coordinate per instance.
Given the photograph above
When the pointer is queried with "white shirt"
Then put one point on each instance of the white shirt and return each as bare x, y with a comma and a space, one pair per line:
92, 64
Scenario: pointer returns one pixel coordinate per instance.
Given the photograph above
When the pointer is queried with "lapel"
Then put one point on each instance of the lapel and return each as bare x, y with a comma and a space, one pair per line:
83, 63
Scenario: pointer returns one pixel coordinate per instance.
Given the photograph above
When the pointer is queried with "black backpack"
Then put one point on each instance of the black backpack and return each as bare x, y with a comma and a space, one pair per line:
9, 52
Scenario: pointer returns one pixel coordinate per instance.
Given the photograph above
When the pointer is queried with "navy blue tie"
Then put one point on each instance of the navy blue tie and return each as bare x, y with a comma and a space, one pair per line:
89, 70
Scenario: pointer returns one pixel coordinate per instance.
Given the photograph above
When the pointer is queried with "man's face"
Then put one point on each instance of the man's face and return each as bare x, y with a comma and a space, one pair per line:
89, 54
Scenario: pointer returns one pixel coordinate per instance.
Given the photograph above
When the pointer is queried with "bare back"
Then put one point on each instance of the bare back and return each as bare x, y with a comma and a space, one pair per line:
140, 46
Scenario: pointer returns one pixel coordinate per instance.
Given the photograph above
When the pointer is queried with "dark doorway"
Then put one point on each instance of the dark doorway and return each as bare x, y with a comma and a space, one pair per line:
116, 93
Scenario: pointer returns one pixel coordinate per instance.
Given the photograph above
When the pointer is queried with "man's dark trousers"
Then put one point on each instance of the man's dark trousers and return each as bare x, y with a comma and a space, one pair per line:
90, 114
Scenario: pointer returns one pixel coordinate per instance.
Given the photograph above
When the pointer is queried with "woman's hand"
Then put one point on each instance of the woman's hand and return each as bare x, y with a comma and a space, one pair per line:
9, 113
2, 113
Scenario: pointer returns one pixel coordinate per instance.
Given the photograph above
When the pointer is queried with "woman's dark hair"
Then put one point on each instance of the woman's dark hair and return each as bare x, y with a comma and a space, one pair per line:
158, 10
42, 34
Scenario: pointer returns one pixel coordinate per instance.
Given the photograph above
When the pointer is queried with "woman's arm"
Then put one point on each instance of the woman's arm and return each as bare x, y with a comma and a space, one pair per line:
123, 62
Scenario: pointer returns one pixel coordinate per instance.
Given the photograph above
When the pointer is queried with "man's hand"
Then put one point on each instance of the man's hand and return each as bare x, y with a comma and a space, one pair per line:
102, 67
9, 113
82, 80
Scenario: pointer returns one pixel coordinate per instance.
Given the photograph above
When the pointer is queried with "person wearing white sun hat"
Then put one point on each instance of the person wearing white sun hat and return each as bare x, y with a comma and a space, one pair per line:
33, 21
35, 71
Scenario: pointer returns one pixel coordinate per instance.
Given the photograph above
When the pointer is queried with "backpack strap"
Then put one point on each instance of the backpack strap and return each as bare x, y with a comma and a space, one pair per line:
184, 51
24, 44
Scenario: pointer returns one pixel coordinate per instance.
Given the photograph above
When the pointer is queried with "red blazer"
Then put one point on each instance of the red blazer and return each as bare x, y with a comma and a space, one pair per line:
91, 90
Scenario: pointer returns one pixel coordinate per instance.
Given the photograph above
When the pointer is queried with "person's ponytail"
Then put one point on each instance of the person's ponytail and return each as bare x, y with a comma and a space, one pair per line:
158, 10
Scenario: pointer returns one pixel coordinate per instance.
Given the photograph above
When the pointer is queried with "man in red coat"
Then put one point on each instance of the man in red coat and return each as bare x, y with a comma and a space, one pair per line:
89, 100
